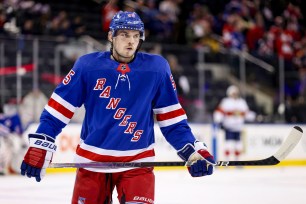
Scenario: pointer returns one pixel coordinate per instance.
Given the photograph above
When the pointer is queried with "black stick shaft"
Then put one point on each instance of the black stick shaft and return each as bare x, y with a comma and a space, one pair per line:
113, 165
287, 146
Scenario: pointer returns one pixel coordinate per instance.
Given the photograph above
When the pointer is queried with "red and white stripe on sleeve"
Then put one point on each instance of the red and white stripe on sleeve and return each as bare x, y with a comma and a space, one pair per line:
169, 115
60, 108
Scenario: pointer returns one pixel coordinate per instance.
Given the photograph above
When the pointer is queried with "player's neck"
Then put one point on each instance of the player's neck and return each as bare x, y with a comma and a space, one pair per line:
120, 59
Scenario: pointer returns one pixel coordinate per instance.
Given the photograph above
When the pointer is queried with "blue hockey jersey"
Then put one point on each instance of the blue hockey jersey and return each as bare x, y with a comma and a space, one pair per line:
120, 101
10, 124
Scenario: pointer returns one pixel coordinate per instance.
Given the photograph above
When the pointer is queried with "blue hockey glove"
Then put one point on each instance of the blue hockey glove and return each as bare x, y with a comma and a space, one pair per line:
198, 160
38, 156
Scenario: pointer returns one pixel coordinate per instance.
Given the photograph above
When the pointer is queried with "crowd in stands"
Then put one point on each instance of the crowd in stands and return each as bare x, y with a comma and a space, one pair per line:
265, 28
29, 17
242, 24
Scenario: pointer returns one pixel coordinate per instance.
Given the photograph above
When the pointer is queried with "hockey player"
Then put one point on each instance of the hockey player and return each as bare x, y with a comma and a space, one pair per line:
231, 114
121, 90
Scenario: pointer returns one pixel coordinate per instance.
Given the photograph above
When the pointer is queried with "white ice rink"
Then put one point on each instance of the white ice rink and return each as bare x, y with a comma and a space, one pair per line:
281, 185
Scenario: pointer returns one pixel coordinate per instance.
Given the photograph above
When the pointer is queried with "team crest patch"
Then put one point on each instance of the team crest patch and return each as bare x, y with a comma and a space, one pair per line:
123, 68
81, 200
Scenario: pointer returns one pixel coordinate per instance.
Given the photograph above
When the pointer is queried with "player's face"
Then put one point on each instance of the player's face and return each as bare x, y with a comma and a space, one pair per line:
125, 44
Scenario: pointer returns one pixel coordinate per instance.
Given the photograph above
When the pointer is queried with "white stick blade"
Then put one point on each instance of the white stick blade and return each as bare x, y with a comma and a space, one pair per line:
289, 144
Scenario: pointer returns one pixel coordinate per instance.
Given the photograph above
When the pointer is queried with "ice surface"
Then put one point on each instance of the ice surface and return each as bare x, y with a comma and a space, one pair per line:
281, 185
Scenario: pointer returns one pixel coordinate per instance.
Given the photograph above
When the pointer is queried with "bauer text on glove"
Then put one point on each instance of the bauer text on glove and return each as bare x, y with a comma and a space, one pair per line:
38, 156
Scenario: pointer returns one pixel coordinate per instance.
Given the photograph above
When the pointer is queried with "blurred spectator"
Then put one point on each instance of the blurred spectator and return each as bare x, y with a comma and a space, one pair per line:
295, 110
2, 21
62, 27
255, 33
107, 13
300, 54
154, 49
183, 85
265, 46
78, 27
159, 27
65, 29
292, 12
181, 80
171, 8
283, 40
12, 144
28, 27
199, 26
31, 106
267, 13
302, 77
232, 33
295, 107
68, 61
164, 30
62, 16
31, 17
53, 27
129, 5
149, 13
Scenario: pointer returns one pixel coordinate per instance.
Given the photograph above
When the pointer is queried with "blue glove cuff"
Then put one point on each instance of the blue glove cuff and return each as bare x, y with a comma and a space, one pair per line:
186, 152
41, 136
42, 141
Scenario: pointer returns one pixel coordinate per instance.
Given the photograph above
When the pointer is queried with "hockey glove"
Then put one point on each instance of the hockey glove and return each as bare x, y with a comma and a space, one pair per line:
198, 160
38, 156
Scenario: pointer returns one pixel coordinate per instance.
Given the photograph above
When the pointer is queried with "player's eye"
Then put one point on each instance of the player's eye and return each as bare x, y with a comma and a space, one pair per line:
136, 36
125, 35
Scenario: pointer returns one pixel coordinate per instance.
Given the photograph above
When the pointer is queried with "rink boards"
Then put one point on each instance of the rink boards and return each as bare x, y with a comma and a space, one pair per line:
259, 141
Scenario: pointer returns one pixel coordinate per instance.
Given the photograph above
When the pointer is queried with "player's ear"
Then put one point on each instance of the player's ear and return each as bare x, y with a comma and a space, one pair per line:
110, 36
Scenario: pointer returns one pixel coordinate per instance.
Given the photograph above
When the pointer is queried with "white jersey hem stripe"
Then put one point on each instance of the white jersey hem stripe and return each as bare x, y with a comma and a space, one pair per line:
80, 159
115, 153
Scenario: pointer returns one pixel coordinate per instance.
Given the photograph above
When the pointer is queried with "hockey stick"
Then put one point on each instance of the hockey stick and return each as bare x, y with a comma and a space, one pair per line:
287, 146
